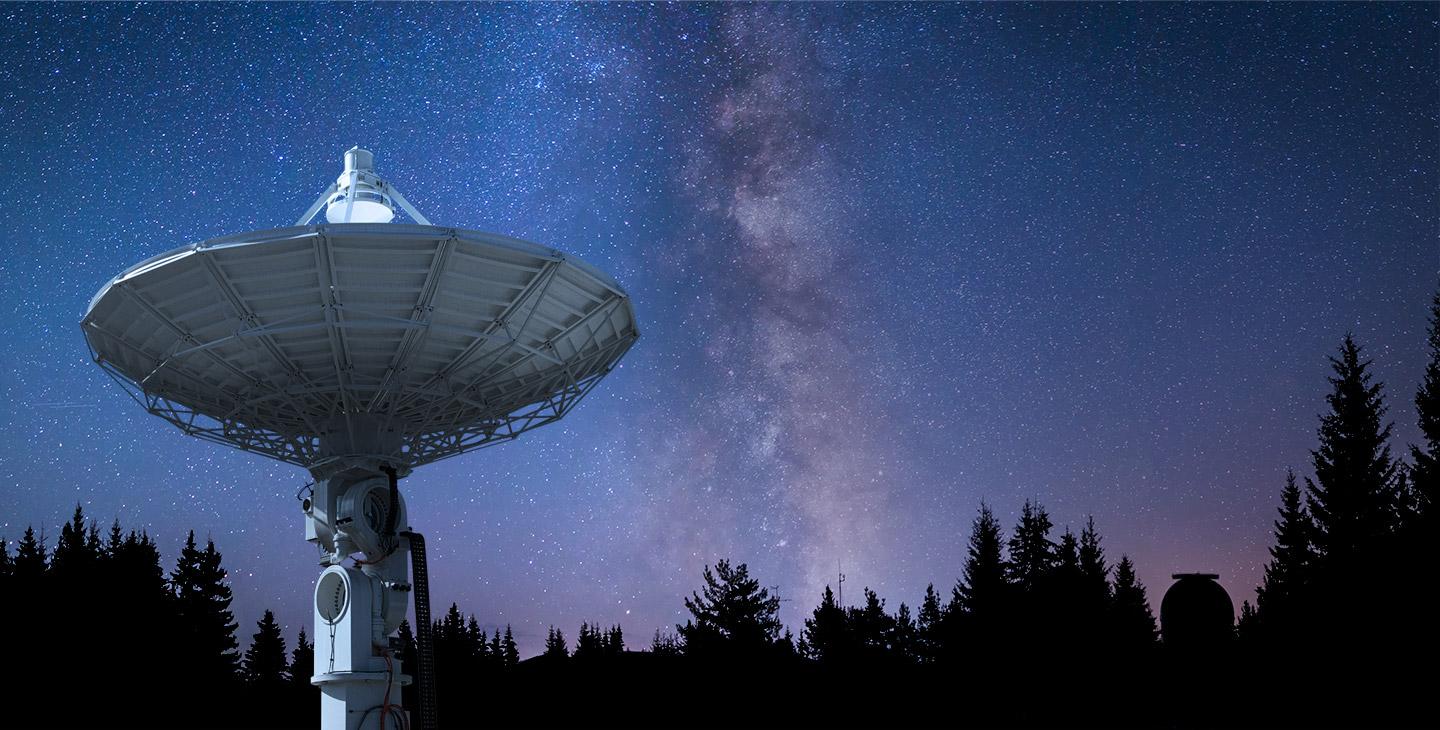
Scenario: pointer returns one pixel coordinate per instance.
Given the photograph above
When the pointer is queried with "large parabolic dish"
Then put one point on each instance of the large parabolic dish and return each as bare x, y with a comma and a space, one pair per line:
316, 345
360, 350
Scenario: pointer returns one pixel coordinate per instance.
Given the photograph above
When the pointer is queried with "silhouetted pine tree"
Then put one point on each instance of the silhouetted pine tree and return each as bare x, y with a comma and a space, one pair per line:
1280, 599
903, 636
872, 627
131, 567
983, 588
1425, 473
589, 644
73, 577
731, 616
1031, 573
555, 648
1062, 616
446, 647
409, 660
786, 646
78, 552
1094, 598
509, 654
666, 643
1032, 554
205, 625
1352, 496
1247, 628
827, 634
458, 644
7, 586
1067, 558
1419, 524
615, 641
25, 604
473, 649
115, 540
302, 657
979, 611
929, 627
1134, 623
1352, 502
29, 560
265, 661
497, 650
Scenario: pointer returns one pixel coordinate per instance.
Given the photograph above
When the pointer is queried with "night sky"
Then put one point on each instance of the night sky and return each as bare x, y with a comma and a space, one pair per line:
888, 261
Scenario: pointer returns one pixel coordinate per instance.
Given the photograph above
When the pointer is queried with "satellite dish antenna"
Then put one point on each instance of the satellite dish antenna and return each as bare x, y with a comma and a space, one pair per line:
360, 350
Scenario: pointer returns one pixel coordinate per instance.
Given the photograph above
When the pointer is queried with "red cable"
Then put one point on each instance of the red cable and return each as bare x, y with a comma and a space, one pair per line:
389, 679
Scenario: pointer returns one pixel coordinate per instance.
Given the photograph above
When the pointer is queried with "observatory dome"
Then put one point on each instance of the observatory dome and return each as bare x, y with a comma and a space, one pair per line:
1196, 612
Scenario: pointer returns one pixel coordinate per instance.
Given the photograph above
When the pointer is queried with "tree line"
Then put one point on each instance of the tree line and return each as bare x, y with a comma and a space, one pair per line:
99, 613
1358, 539
1028, 591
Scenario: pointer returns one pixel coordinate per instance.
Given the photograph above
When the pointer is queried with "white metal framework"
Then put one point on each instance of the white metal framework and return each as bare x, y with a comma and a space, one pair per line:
406, 343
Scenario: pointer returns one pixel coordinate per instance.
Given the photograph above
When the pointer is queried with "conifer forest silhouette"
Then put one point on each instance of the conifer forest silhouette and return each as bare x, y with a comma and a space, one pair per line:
1040, 629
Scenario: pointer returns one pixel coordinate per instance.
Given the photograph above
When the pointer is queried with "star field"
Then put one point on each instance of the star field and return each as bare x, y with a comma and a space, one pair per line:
888, 261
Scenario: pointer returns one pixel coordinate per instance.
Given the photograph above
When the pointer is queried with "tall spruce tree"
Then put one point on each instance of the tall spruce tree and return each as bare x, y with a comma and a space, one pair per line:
978, 619
1133, 621
1248, 625
666, 643
1415, 545
588, 645
904, 636
615, 641
32, 647
409, 660
929, 627
115, 541
1279, 599
77, 553
872, 627
7, 586
555, 648
982, 591
1068, 575
132, 567
1352, 497
827, 635
302, 657
472, 644
1036, 611
265, 660
1061, 615
1032, 553
205, 625
1425, 472
1094, 580
509, 653
30, 562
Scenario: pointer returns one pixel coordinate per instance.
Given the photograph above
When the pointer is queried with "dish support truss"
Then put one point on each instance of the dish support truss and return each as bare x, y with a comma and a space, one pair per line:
446, 440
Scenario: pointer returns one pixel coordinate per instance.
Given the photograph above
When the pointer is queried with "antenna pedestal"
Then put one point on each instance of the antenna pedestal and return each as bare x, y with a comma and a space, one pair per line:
358, 676
359, 607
